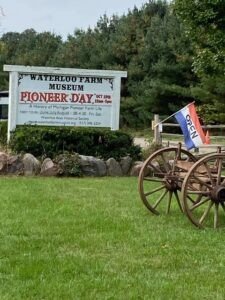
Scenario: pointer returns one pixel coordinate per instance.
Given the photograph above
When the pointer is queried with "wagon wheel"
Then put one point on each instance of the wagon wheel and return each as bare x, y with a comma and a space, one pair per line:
159, 178
203, 192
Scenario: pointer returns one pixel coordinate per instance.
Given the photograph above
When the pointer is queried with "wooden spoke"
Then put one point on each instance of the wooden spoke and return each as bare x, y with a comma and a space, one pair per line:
175, 159
178, 201
209, 172
160, 199
195, 192
216, 215
198, 179
189, 198
223, 206
218, 181
196, 205
158, 170
161, 187
169, 202
199, 197
191, 187
153, 179
165, 163
206, 212
222, 180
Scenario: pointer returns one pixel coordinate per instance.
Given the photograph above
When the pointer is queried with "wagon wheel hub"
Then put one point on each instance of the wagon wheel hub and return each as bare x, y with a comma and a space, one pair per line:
218, 194
171, 183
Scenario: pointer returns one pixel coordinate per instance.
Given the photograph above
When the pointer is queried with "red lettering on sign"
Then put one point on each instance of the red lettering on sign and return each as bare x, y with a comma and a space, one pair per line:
81, 98
43, 97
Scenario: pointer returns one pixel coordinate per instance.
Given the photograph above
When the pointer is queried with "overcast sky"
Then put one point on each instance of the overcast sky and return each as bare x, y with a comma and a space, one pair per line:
59, 16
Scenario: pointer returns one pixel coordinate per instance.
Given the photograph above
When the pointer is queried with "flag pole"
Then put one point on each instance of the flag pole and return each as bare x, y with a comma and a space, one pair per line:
172, 115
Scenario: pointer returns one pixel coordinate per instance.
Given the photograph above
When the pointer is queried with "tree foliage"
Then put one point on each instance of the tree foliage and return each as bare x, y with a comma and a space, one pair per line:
26, 48
150, 43
204, 22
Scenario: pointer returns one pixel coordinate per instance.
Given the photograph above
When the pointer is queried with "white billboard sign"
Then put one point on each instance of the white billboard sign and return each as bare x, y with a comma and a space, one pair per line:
63, 97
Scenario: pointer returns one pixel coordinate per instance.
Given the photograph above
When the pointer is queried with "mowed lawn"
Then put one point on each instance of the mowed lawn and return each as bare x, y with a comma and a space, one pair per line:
92, 238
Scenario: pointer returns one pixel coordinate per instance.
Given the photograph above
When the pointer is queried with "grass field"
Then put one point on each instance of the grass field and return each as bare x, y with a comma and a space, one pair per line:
93, 239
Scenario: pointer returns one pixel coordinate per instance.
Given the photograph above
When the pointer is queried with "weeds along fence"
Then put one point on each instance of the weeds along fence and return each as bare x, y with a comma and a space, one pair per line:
170, 134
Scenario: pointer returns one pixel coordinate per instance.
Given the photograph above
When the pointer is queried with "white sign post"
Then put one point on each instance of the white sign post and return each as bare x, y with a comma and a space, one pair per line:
63, 97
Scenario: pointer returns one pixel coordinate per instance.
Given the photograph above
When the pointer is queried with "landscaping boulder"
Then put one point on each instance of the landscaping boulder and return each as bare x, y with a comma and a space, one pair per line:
31, 165
113, 167
48, 168
3, 162
125, 164
15, 165
135, 170
91, 166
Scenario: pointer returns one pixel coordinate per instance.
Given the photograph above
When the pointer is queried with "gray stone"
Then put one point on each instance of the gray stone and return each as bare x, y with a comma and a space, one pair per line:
113, 167
15, 165
3, 162
135, 170
31, 165
48, 168
91, 166
125, 164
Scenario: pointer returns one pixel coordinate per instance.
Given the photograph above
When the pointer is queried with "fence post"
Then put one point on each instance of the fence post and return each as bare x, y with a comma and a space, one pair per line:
156, 128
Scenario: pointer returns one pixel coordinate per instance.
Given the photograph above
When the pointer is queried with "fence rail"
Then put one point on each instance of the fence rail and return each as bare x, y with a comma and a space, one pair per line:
168, 138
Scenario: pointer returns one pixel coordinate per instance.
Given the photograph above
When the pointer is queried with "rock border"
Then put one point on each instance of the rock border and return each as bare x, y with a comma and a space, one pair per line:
29, 165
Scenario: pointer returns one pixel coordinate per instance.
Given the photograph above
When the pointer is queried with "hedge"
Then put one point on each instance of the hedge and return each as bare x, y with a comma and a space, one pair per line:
3, 132
52, 141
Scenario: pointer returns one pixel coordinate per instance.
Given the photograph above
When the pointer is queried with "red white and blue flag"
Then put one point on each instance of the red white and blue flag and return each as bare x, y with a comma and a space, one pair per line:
190, 126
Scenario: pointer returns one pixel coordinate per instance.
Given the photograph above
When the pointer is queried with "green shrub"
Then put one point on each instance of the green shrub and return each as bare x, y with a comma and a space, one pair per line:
52, 141
68, 164
150, 150
3, 132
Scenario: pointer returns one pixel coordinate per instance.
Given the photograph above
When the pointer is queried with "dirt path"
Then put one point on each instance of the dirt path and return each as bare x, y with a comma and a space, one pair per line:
141, 142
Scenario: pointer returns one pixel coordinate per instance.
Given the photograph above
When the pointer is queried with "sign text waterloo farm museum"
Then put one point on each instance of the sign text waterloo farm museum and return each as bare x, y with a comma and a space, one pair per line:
63, 97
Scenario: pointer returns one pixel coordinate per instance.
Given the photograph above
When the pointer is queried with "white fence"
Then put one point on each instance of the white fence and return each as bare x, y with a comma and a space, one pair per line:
162, 137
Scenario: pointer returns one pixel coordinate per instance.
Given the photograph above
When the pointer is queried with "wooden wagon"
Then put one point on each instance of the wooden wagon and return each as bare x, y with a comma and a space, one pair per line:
197, 184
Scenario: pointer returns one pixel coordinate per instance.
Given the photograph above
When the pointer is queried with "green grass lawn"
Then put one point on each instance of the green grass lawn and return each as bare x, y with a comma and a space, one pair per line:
93, 239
